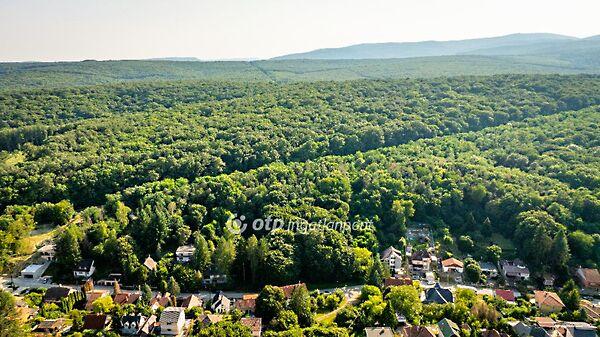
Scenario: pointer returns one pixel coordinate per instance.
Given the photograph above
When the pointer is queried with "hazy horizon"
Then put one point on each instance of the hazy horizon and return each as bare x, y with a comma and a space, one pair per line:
69, 30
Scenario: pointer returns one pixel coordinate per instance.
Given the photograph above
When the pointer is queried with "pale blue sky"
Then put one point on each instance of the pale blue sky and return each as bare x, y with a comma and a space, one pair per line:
49, 30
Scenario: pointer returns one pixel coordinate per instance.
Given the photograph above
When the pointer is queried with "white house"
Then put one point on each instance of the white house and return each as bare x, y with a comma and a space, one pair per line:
220, 304
452, 265
184, 254
84, 269
392, 258
47, 252
172, 321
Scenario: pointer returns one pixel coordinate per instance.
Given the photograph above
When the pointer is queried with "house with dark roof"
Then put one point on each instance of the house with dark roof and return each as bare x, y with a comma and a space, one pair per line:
96, 322
220, 303
126, 298
439, 295
514, 269
134, 324
255, 325
84, 269
488, 269
448, 328
421, 260
56, 294
579, 329
520, 328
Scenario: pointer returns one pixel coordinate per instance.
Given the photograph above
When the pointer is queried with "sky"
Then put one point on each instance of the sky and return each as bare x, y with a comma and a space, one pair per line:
71, 30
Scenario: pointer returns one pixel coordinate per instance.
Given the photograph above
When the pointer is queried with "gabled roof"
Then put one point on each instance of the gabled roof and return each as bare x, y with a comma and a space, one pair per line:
51, 325
548, 298
420, 255
452, 262
590, 275
439, 295
254, 323
289, 289
150, 263
95, 321
505, 294
91, 296
520, 328
190, 302
544, 322
245, 305
537, 331
448, 328
210, 319
397, 281
487, 266
419, 331
84, 265
379, 332
57, 293
170, 315
389, 252
125, 298
187, 249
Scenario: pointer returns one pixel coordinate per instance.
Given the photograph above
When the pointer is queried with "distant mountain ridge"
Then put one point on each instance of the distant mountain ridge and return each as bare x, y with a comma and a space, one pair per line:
514, 44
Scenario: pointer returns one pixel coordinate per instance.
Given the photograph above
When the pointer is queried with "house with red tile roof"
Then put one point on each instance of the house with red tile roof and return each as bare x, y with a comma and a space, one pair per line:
589, 278
506, 294
548, 301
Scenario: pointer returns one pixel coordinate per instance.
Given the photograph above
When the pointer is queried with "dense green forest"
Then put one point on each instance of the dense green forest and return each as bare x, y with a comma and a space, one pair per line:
68, 74
480, 159
80, 144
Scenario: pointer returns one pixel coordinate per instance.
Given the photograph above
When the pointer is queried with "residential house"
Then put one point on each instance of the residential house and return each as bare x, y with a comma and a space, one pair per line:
184, 254
289, 289
150, 263
54, 327
160, 300
84, 269
246, 306
255, 325
47, 252
452, 265
514, 269
579, 329
210, 319
392, 258
439, 295
447, 328
189, 302
379, 332
92, 296
220, 303
397, 281
421, 260
520, 328
126, 298
419, 331
172, 321
56, 294
545, 322
548, 301
589, 278
136, 324
506, 294
34, 271
489, 269
96, 322
536, 331
592, 311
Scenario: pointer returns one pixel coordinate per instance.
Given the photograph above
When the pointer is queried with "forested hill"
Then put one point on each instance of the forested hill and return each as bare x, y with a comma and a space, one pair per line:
83, 143
68, 74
